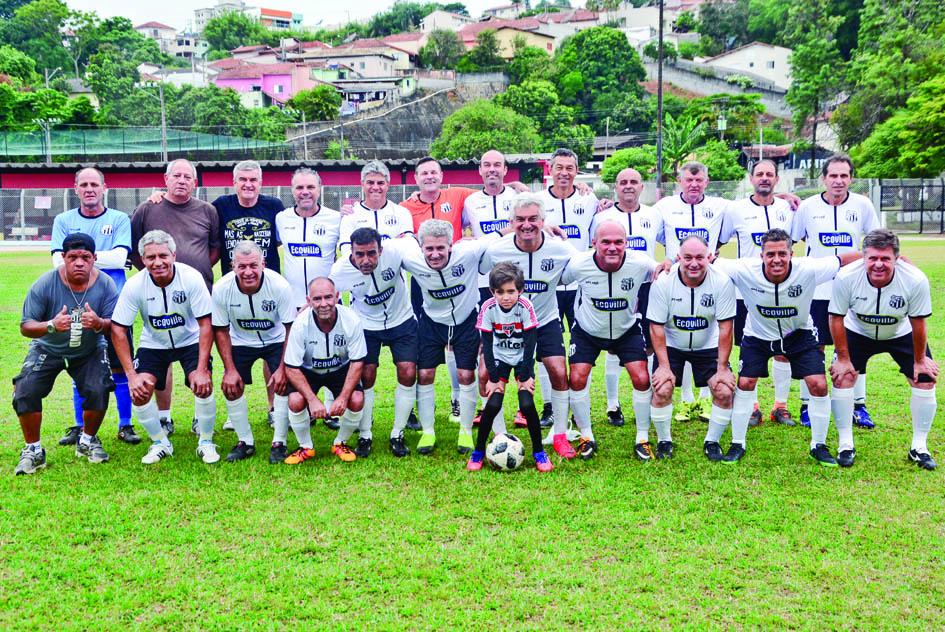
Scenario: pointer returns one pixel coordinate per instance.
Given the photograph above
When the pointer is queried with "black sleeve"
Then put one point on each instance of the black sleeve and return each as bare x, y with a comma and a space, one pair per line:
526, 368
488, 356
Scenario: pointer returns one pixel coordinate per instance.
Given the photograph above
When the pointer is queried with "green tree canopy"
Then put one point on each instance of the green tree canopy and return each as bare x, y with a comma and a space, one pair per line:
442, 50
485, 55
741, 113
480, 126
232, 30
721, 161
529, 62
19, 66
681, 137
321, 103
36, 29
642, 158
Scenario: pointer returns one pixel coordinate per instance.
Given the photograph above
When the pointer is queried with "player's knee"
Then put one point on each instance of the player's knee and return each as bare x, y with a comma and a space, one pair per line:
817, 386
639, 376
662, 395
406, 374
296, 402
747, 383
526, 402
356, 402
426, 376
722, 396
465, 376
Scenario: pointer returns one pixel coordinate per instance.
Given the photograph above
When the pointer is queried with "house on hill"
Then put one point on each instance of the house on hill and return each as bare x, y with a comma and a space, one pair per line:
506, 31
164, 35
770, 63
262, 85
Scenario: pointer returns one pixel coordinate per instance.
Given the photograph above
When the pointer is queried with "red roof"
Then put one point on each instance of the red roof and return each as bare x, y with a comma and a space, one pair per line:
367, 43
227, 64
412, 36
469, 32
315, 44
155, 25
275, 13
568, 15
250, 48
256, 71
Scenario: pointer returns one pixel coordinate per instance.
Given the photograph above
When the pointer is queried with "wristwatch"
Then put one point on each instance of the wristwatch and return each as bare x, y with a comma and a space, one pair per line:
50, 327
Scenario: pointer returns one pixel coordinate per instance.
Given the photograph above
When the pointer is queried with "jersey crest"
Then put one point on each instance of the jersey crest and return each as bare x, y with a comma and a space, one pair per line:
547, 265
387, 274
852, 215
897, 302
707, 300
458, 270
794, 291
269, 306
626, 284
107, 229
446, 208
179, 296
340, 340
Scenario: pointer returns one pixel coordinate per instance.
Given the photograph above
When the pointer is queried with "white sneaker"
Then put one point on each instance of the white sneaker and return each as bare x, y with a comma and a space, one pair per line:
228, 424
208, 452
158, 450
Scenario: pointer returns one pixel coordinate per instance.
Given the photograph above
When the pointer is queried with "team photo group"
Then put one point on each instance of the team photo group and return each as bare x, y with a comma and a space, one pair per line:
493, 282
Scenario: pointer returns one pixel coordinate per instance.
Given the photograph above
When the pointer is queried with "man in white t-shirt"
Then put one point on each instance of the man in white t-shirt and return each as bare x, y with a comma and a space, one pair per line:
375, 210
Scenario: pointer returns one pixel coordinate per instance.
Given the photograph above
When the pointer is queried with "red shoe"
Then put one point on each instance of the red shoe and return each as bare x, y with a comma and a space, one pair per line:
563, 447
474, 464
520, 420
542, 462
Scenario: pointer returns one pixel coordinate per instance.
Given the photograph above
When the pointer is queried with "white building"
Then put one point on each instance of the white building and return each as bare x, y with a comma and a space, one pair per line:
164, 35
770, 63
505, 11
202, 16
445, 20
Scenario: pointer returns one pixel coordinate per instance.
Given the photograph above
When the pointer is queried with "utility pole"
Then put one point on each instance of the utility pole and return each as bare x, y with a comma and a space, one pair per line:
606, 137
304, 137
659, 104
761, 142
46, 125
163, 124
49, 75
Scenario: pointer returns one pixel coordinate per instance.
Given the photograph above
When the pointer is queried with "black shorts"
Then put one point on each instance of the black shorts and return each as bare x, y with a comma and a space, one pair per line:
435, 337
585, 348
416, 298
741, 315
643, 301
402, 340
862, 348
704, 363
549, 341
92, 376
801, 348
334, 381
113, 357
566, 307
818, 312
156, 362
504, 370
245, 357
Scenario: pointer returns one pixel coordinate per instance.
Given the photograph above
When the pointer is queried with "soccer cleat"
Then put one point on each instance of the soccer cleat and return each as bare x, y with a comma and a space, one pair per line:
332, 423
845, 458
520, 421
755, 418
363, 449
128, 435
862, 419
805, 417
464, 442
922, 459
712, 451
228, 425
426, 443
94, 451
240, 451
193, 426
474, 464
158, 450
398, 447
413, 422
781, 415
587, 448
821, 454
615, 417
454, 411
704, 410
277, 453
30, 461
735, 453
343, 452
563, 447
167, 424
300, 456
664, 449
547, 419
542, 463
207, 451
72, 436
643, 451
477, 419
684, 412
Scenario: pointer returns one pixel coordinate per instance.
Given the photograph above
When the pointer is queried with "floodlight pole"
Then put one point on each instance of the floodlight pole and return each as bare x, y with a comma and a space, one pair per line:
659, 103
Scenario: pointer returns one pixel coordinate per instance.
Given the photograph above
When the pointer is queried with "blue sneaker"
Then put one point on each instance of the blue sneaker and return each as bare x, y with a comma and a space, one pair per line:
805, 418
475, 461
542, 462
862, 419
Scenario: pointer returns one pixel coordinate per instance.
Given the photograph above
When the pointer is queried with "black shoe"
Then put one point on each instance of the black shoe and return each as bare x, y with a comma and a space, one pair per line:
277, 453
167, 424
72, 436
821, 454
398, 447
845, 458
587, 449
547, 417
712, 451
755, 418
664, 449
128, 435
922, 459
413, 422
363, 450
332, 423
240, 451
735, 453
615, 417
643, 451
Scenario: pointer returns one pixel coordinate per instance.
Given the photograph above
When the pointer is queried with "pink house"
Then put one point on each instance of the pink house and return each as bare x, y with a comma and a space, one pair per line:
262, 85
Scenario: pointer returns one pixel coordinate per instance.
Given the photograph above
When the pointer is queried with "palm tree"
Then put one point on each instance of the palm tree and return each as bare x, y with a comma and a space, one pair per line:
680, 138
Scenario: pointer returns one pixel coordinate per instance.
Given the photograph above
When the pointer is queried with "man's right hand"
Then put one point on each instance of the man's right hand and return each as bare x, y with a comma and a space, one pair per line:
232, 384
840, 369
141, 386
63, 320
156, 197
316, 409
661, 375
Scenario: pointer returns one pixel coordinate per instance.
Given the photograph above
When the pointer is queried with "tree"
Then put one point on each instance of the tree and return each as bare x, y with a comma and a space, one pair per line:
402, 16
112, 78
321, 103
680, 138
456, 7
689, 50
685, 22
8, 7
741, 113
18, 66
766, 21
232, 30
721, 161
642, 158
269, 123
485, 55
480, 126
528, 62
533, 99
36, 29
442, 50
337, 149
652, 51
220, 111
724, 23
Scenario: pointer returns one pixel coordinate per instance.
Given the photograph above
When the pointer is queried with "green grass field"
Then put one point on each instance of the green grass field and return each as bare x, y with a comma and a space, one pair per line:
420, 543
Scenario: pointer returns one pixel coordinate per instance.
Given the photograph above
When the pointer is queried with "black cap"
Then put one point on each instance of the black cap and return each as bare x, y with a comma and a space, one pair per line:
78, 241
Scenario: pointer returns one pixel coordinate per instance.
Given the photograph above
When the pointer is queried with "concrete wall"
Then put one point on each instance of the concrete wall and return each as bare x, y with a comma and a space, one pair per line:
773, 101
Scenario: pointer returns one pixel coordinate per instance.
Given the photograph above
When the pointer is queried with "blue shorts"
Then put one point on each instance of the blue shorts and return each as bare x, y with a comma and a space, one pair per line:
585, 348
643, 301
402, 340
741, 315
435, 337
801, 348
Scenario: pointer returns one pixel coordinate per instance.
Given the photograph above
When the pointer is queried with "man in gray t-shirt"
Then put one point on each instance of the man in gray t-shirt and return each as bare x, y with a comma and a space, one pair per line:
66, 314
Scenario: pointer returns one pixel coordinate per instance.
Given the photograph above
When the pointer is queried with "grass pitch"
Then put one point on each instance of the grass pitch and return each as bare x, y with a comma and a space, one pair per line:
419, 543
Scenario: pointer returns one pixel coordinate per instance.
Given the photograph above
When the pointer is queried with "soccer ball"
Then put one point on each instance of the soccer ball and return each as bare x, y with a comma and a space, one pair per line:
505, 452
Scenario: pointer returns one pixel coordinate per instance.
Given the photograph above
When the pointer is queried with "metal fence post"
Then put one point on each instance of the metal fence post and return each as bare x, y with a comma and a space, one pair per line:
941, 207
921, 206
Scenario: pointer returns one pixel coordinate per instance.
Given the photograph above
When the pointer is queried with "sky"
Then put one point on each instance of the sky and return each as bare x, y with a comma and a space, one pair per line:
178, 13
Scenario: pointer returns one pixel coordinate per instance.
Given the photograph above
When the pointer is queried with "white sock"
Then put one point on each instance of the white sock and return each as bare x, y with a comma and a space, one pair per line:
805, 394
742, 406
85, 439
704, 393
544, 383
301, 426
280, 419
559, 408
781, 374
347, 424
148, 418
404, 399
426, 406
454, 377
841, 401
650, 361
641, 412
468, 394
819, 412
328, 397
687, 394
719, 420
366, 416
922, 403
163, 414
612, 371
662, 419
859, 389
205, 410
36, 446
498, 424
238, 412
581, 407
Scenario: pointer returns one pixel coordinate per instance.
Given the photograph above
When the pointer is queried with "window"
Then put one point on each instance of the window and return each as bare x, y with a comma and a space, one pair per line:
770, 64
361, 65
751, 64
278, 88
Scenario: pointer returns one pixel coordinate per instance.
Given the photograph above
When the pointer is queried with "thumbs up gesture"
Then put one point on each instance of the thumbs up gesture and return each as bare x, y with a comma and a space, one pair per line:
63, 320
91, 320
